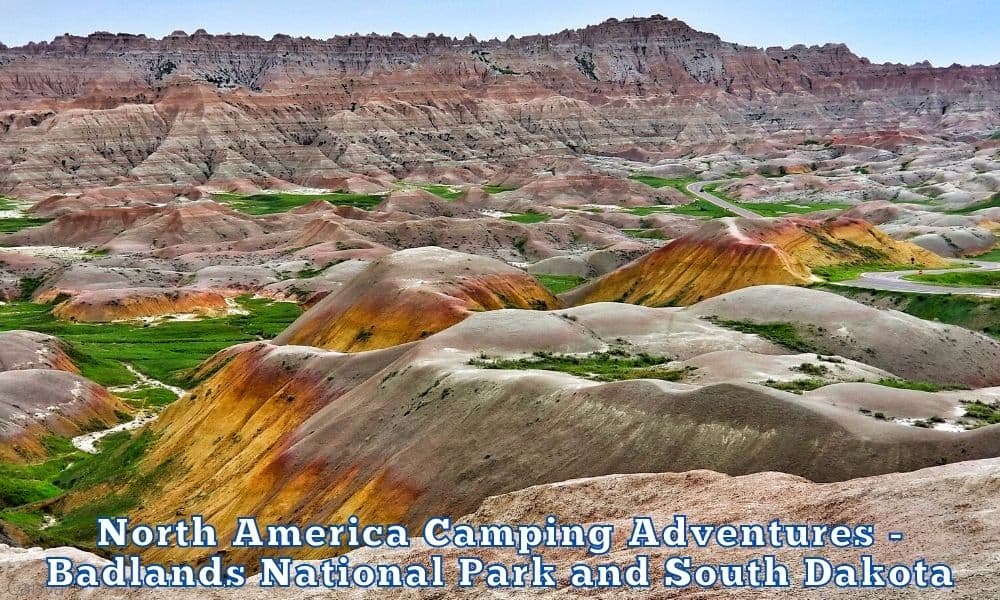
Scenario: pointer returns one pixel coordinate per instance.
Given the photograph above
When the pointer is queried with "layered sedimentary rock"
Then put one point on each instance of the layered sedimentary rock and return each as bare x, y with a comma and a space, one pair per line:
102, 306
730, 253
125, 110
292, 433
897, 342
410, 295
31, 350
42, 394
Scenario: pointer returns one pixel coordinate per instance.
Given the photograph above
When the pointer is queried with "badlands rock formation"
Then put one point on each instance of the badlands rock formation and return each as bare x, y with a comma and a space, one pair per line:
229, 109
410, 295
894, 341
134, 303
42, 395
296, 433
729, 254
408, 191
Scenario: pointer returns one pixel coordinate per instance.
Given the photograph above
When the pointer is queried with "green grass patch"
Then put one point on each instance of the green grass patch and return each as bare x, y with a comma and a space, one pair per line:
701, 209
920, 386
29, 285
645, 211
835, 273
445, 192
981, 414
12, 224
697, 208
678, 183
781, 209
644, 234
964, 278
992, 255
558, 284
24, 484
796, 386
115, 466
597, 366
165, 351
265, 204
497, 189
309, 273
528, 217
783, 334
119, 454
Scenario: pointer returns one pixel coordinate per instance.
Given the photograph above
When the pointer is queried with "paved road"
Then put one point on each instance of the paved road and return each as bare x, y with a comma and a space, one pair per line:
893, 281
696, 189
889, 280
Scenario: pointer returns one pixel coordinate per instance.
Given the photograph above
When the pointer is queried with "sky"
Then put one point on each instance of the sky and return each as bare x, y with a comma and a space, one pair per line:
941, 31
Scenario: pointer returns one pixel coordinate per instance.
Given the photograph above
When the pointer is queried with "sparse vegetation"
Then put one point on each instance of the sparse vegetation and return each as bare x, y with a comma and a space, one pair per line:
497, 189
443, 191
278, 202
309, 273
528, 217
598, 366
784, 334
29, 285
558, 284
811, 369
796, 386
781, 209
644, 234
991, 202
979, 414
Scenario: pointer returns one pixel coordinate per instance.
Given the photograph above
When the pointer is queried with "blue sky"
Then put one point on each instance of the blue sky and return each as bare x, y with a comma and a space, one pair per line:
942, 31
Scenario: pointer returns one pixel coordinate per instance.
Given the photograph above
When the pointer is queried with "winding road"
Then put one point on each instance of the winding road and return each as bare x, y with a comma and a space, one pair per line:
883, 280
893, 281
697, 190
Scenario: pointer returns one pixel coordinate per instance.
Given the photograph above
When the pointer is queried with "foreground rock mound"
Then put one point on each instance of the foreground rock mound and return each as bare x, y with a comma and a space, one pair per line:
290, 433
41, 394
37, 403
729, 254
411, 294
30, 350
902, 344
